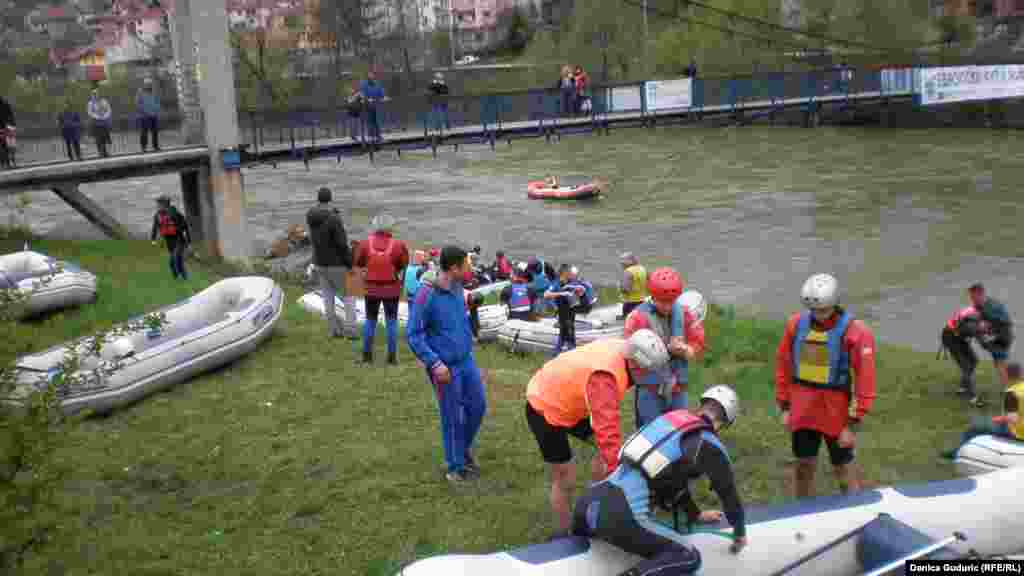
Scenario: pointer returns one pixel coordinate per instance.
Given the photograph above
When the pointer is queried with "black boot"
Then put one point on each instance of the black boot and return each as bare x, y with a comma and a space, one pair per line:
368, 357
393, 358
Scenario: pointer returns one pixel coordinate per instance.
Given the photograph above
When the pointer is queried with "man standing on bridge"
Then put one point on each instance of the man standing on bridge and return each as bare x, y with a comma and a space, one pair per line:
373, 93
148, 105
6, 119
172, 226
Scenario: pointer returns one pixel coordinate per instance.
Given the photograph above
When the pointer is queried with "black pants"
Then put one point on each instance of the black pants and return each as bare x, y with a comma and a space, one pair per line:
373, 308
963, 355
73, 145
566, 323
604, 513
102, 136
147, 125
628, 307
5, 155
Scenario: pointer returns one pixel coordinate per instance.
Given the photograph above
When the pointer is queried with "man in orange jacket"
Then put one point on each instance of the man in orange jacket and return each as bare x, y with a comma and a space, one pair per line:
825, 359
579, 393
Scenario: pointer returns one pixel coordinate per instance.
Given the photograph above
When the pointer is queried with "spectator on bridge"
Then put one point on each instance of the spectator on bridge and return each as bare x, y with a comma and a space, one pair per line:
439, 102
373, 92
70, 122
691, 70
6, 119
172, 226
582, 80
100, 115
354, 106
147, 104
567, 89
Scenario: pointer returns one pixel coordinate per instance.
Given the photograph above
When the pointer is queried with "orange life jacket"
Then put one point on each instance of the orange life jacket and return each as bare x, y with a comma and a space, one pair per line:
961, 315
558, 390
379, 265
167, 226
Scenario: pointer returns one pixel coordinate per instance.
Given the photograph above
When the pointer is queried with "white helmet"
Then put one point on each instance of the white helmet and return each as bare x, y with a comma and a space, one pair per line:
383, 222
726, 398
647, 349
820, 291
694, 301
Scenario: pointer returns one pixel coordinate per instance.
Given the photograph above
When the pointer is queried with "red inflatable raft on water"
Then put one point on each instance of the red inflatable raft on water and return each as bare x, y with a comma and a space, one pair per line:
555, 189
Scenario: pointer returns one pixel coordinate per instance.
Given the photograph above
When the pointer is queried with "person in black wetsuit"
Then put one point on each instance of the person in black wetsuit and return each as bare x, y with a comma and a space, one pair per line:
995, 333
618, 509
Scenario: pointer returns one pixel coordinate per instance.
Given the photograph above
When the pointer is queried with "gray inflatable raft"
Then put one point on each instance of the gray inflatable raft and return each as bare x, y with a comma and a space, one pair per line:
46, 283
216, 326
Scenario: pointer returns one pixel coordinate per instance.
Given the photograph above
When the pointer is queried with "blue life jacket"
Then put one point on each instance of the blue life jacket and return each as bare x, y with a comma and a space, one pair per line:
819, 359
678, 367
519, 299
412, 283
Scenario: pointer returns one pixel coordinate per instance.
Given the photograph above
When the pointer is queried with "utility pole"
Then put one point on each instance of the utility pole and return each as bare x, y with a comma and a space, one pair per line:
646, 37
451, 29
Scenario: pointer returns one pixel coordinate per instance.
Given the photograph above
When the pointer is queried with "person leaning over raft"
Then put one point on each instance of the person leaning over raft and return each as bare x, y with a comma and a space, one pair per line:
438, 334
172, 226
579, 394
1010, 424
633, 285
995, 333
657, 465
955, 338
825, 358
384, 258
332, 259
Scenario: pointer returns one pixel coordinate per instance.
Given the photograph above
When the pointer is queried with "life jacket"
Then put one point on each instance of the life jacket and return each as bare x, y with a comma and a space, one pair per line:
639, 289
167, 226
960, 316
655, 447
819, 359
412, 283
559, 389
379, 267
678, 367
1017, 391
519, 299
504, 267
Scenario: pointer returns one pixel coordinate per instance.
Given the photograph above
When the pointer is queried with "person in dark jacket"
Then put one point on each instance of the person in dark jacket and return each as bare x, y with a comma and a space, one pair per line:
995, 333
70, 122
439, 102
6, 119
332, 258
172, 226
355, 105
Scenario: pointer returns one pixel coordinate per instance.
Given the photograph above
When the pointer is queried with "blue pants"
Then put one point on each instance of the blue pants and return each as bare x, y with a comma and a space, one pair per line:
372, 125
439, 117
355, 127
177, 261
390, 322
462, 405
649, 405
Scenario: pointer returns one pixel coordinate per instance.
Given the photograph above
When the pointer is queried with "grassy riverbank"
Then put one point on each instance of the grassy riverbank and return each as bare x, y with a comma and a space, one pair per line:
298, 460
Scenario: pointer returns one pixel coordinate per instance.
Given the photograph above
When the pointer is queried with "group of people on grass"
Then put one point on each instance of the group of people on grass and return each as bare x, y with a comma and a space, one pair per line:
824, 383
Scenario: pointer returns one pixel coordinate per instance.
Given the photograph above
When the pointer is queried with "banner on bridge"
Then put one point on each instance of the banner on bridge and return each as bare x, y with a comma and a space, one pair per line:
967, 83
897, 80
625, 99
668, 94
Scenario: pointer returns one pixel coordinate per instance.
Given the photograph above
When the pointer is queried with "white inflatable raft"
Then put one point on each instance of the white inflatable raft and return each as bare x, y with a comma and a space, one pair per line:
491, 316
48, 284
988, 453
216, 326
825, 536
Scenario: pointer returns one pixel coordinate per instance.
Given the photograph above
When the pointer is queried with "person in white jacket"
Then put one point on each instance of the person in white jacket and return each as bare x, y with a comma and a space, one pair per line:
100, 115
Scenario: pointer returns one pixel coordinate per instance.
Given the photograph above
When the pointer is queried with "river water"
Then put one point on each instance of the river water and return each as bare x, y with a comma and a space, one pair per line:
906, 219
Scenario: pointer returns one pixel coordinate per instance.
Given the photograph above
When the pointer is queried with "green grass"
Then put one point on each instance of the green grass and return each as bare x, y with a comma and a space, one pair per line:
297, 460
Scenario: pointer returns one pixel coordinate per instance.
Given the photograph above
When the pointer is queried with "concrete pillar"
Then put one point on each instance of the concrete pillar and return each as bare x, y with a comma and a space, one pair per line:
92, 211
226, 239
185, 55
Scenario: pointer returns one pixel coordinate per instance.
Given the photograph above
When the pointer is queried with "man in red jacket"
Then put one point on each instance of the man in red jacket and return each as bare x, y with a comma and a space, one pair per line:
383, 259
825, 359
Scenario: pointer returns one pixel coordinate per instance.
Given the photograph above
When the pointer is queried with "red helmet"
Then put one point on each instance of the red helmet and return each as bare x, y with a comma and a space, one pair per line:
665, 285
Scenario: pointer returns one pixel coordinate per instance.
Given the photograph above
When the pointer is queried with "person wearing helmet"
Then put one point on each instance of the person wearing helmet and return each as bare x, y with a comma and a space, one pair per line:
657, 465
995, 334
683, 335
825, 359
1009, 425
578, 394
571, 295
633, 285
518, 295
955, 339
384, 259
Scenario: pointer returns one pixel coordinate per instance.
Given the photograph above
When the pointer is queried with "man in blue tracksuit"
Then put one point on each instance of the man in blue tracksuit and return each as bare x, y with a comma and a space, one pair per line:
657, 465
439, 335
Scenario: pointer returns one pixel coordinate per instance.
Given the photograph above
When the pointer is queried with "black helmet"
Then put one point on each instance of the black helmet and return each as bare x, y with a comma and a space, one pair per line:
323, 194
163, 200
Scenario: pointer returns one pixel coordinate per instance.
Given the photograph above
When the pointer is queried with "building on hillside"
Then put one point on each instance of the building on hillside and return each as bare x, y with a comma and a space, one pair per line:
132, 35
1009, 9
476, 22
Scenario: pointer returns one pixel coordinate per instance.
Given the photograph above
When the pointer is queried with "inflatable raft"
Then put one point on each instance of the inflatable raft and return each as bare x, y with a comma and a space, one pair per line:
216, 326
988, 453
542, 335
48, 284
541, 190
491, 317
846, 535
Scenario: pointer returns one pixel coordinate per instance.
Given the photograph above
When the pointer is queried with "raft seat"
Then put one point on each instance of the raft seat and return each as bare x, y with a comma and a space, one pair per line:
886, 539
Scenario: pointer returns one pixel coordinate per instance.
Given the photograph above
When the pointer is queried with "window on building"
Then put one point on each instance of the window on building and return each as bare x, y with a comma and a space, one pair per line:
487, 13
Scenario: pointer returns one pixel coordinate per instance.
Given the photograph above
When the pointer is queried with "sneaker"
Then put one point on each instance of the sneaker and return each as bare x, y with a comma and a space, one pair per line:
977, 402
458, 477
963, 391
471, 467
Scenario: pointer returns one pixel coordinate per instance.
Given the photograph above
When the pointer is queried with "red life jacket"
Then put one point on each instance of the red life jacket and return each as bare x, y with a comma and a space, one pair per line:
379, 265
504, 266
961, 315
167, 226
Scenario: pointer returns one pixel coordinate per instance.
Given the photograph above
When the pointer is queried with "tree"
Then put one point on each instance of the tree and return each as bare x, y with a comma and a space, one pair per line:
441, 45
515, 28
345, 25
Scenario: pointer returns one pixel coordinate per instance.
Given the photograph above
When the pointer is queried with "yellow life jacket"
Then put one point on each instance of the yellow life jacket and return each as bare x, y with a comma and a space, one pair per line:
638, 291
1017, 390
